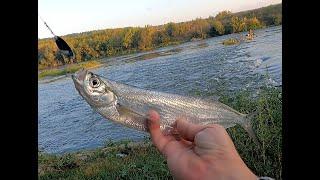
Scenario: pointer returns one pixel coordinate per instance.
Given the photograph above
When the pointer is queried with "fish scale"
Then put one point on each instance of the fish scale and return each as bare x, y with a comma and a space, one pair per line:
129, 105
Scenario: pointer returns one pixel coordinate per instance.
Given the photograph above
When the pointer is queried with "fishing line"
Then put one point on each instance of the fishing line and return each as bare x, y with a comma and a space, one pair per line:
62, 45
47, 26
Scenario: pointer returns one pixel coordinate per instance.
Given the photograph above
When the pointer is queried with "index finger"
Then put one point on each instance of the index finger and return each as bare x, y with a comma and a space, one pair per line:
158, 139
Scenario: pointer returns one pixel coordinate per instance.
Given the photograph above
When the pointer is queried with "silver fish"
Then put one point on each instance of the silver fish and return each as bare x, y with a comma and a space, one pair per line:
129, 105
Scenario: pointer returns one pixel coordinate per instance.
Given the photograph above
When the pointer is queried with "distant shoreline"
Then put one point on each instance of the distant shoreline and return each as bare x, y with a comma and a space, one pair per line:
52, 74
56, 73
108, 43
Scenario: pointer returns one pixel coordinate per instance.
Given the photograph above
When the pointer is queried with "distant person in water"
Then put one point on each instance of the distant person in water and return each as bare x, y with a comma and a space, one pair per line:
250, 35
202, 151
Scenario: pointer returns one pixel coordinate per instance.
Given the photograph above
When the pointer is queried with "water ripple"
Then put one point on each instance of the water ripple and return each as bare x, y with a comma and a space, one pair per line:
67, 123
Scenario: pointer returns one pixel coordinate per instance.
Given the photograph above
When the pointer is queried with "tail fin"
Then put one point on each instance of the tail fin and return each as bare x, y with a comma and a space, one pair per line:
247, 125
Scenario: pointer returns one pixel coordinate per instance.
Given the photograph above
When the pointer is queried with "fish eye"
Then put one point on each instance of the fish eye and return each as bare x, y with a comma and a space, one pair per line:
94, 82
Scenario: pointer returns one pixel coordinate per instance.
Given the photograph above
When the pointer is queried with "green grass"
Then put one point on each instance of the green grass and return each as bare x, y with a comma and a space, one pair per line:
140, 163
265, 160
145, 162
68, 69
230, 41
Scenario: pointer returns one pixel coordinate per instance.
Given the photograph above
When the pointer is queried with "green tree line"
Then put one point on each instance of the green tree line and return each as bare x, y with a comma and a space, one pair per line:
119, 41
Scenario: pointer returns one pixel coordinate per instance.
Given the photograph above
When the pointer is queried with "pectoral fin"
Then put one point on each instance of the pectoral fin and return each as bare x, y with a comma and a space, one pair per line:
132, 119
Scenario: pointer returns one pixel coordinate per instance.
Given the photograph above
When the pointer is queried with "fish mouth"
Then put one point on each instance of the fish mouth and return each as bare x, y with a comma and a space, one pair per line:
79, 77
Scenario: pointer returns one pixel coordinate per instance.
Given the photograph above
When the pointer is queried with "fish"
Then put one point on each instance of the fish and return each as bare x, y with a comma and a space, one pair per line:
129, 105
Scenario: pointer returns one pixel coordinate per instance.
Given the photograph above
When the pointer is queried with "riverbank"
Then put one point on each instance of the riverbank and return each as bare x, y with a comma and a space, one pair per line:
123, 160
68, 69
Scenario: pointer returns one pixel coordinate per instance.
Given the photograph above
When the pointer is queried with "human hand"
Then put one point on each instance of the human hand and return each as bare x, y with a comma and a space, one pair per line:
202, 152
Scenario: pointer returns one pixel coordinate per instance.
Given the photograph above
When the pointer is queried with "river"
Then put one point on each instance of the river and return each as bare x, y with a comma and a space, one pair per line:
66, 122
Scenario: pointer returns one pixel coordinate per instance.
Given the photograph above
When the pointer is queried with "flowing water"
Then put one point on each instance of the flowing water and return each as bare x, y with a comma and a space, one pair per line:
67, 123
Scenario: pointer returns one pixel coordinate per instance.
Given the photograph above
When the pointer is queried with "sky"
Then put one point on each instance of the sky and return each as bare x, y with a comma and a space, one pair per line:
74, 16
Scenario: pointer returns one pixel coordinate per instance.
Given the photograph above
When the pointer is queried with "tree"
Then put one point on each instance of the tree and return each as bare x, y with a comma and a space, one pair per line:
128, 38
200, 28
136, 38
238, 24
145, 38
253, 23
223, 15
228, 29
277, 20
59, 57
171, 29
217, 28
161, 38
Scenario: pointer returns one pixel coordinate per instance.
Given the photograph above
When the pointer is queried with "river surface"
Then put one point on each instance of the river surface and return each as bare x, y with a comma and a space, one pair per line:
66, 122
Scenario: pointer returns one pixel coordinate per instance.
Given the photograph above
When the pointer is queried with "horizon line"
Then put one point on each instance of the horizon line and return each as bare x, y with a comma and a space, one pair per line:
142, 26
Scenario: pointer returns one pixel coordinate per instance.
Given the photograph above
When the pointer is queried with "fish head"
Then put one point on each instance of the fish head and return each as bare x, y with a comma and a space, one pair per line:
93, 89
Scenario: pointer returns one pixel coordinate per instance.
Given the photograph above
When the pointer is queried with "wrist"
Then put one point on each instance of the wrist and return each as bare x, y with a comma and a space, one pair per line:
232, 169
241, 171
